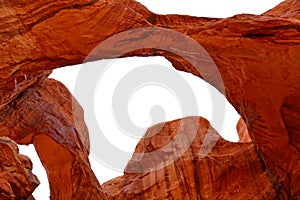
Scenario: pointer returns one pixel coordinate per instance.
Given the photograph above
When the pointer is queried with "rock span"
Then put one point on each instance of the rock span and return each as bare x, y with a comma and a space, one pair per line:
256, 59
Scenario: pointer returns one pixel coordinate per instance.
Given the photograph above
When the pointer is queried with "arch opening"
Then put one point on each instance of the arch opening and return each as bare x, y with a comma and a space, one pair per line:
41, 192
143, 107
146, 103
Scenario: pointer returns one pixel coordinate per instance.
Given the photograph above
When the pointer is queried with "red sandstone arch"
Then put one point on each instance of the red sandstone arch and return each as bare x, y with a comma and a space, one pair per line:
257, 57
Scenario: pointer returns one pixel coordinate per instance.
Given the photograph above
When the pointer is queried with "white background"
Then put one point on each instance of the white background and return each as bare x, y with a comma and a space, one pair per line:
137, 111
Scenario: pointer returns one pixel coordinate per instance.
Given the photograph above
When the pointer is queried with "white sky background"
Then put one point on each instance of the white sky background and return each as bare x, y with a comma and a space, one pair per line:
141, 103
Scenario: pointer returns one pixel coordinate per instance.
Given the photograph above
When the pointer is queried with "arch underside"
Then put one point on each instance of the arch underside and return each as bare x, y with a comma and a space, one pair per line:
256, 57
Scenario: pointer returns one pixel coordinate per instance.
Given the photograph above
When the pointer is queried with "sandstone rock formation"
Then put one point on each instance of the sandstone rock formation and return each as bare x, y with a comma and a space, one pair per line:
191, 176
256, 66
47, 115
16, 179
242, 131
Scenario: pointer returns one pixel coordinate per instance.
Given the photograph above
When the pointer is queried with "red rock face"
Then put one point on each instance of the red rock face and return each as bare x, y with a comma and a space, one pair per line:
287, 9
256, 66
16, 178
48, 116
229, 171
243, 131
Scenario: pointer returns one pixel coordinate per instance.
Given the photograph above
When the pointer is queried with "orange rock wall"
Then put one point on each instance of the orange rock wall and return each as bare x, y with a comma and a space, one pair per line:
256, 66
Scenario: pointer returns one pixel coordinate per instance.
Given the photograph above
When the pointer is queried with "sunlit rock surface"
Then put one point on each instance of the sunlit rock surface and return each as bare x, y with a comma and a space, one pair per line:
229, 171
253, 60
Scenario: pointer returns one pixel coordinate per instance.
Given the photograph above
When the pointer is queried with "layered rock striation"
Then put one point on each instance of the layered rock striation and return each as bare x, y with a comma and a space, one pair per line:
16, 178
175, 167
252, 59
47, 115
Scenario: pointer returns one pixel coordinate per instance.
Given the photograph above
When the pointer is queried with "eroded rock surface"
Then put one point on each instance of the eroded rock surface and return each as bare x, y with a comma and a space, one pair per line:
229, 171
256, 65
47, 115
242, 131
16, 178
